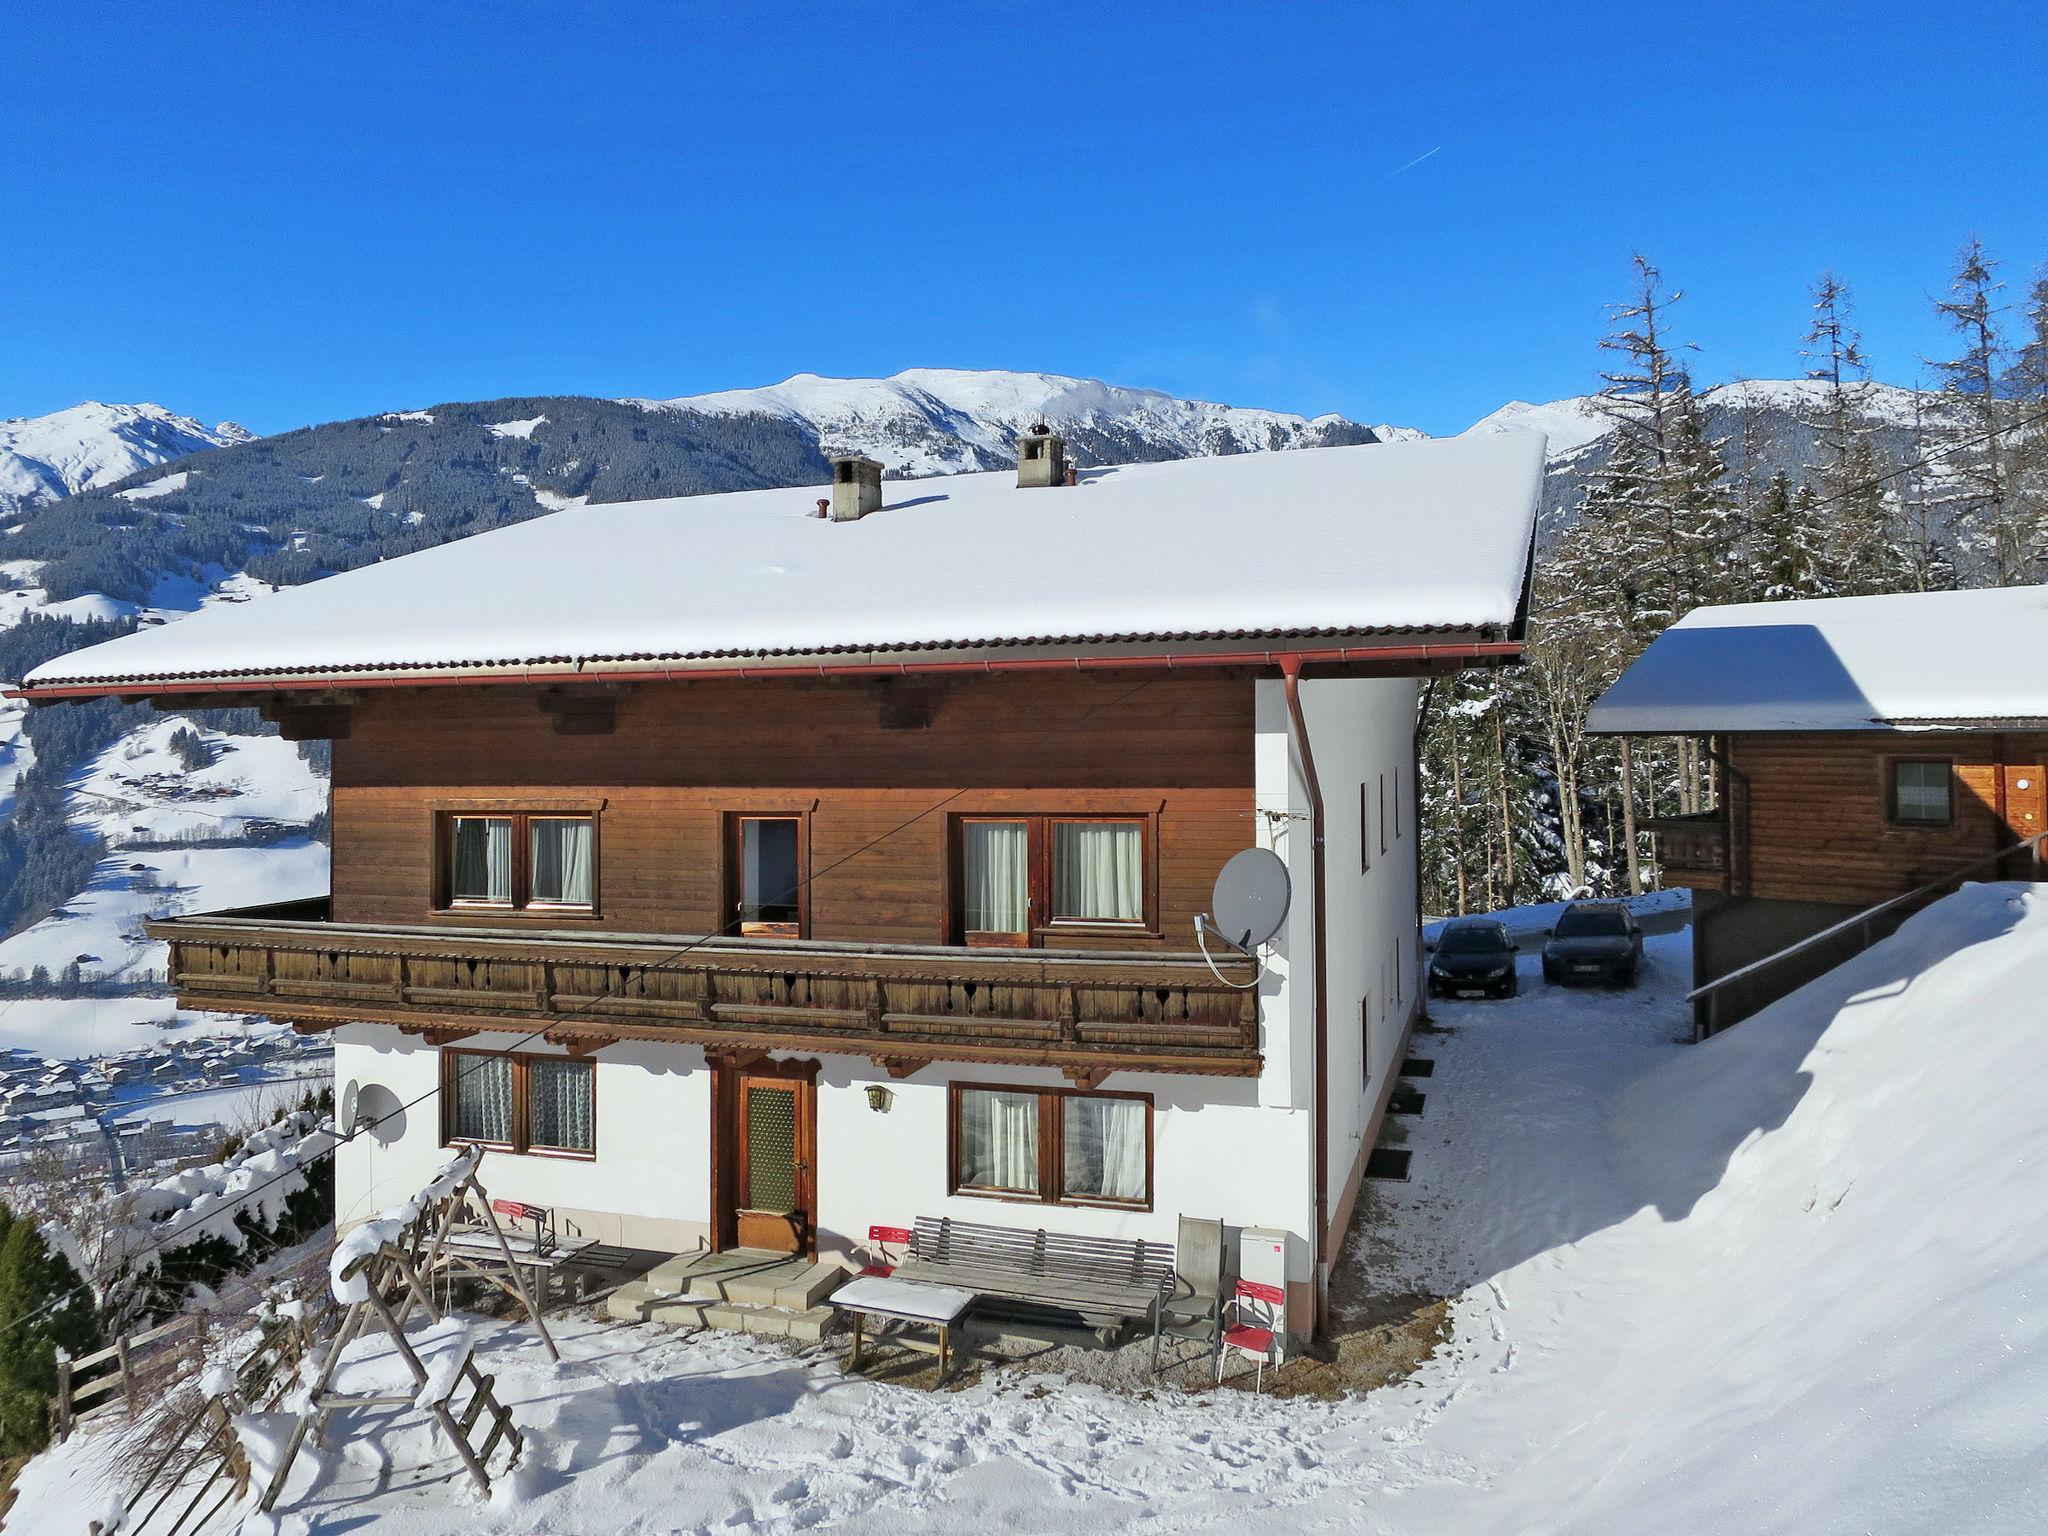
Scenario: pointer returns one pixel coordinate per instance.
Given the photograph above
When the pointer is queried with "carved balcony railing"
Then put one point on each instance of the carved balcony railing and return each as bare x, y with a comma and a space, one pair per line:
904, 1006
1692, 850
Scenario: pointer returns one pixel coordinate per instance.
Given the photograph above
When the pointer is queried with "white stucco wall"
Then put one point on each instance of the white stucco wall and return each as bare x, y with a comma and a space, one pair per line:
649, 1185
1363, 735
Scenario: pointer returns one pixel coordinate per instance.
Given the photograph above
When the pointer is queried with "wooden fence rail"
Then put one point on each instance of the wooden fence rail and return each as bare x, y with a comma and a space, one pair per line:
86, 1383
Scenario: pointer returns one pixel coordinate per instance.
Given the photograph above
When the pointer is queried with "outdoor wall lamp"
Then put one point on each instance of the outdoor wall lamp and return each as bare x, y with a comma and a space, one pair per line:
879, 1098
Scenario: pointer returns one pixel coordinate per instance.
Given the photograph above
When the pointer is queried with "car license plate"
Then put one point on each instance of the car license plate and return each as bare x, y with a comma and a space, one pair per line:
1583, 969
1471, 992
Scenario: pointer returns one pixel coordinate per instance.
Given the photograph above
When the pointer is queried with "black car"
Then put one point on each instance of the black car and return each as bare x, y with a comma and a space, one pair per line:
1474, 958
1596, 941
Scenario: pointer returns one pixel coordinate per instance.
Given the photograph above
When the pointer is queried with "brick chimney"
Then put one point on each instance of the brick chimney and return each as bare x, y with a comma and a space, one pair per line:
1041, 457
856, 487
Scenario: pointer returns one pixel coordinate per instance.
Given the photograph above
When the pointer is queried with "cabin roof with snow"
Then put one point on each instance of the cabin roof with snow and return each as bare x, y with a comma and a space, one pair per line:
1902, 661
1374, 540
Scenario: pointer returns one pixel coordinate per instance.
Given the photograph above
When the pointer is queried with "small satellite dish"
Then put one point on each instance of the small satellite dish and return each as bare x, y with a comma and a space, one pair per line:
373, 1108
1250, 902
345, 1107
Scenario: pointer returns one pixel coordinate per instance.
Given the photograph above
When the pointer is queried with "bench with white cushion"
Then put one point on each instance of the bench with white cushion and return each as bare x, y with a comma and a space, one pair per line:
1107, 1280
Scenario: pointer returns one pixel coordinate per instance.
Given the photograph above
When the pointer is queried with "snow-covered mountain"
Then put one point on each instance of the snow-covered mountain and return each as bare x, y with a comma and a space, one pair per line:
934, 421
43, 458
1577, 421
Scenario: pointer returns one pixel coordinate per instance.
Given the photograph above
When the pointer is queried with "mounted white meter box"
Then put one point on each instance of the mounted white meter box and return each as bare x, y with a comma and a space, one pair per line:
1247, 907
1265, 1254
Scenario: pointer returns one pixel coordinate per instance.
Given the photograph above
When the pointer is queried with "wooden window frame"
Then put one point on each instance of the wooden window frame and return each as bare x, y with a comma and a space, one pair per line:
1052, 1125
522, 818
1044, 924
1892, 818
521, 1144
731, 886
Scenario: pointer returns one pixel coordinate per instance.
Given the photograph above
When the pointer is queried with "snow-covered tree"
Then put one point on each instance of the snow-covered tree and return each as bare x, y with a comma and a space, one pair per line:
1975, 485
1846, 487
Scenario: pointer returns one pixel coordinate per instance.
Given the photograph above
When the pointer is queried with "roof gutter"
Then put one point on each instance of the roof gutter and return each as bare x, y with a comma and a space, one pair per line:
1319, 1237
1459, 653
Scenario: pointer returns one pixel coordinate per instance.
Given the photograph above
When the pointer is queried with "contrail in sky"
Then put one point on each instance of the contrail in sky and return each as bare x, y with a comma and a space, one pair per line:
1410, 165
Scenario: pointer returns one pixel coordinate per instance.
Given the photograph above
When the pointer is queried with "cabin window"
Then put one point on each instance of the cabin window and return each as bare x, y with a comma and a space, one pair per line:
1364, 828
766, 875
520, 861
1921, 794
995, 889
1054, 1146
1098, 872
520, 1103
1016, 878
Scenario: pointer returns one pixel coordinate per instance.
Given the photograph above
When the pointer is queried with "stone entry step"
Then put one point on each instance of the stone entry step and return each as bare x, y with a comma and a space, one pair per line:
744, 1290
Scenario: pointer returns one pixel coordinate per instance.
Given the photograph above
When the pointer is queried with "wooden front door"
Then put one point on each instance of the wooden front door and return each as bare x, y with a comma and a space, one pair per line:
774, 1148
2023, 798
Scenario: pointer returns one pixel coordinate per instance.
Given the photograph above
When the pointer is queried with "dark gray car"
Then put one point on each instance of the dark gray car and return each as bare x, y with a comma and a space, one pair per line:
1594, 941
1473, 957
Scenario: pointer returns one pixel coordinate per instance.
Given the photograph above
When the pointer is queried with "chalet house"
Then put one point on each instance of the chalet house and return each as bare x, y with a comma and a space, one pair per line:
752, 869
1864, 747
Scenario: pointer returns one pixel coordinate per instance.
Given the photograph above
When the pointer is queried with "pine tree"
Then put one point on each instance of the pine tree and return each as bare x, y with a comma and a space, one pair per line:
44, 1307
1976, 486
1856, 552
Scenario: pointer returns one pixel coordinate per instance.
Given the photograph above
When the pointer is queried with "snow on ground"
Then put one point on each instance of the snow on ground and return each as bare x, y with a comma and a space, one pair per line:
1786, 1280
519, 429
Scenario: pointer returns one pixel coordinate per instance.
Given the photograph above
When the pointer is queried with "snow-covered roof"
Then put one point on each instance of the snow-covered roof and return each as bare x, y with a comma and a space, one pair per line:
1371, 540
1903, 661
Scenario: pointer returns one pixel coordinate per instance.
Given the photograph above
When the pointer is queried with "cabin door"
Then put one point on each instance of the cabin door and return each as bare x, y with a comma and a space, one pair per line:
2024, 797
774, 1146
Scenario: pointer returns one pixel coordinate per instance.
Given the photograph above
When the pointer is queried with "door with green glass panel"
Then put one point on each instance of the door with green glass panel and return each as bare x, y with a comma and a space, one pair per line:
773, 1175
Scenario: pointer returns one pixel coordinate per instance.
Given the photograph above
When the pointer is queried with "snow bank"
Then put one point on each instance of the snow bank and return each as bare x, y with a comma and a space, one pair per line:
266, 1171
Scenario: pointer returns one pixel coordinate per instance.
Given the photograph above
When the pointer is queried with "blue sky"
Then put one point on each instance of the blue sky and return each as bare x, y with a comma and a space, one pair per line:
1406, 212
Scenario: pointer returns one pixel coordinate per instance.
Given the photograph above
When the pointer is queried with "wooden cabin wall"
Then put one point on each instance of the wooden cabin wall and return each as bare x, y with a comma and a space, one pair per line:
683, 754
1819, 827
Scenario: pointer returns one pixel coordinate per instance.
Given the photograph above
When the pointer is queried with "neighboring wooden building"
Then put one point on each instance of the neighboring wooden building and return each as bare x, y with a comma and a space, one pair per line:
1862, 748
748, 876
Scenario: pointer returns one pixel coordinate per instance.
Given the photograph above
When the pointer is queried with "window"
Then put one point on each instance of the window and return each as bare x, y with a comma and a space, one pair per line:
1018, 877
1364, 828
995, 886
765, 875
1920, 794
521, 860
1052, 1145
1383, 813
520, 1103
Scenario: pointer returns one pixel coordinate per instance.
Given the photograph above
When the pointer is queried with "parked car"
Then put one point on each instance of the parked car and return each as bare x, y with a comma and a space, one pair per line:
1474, 957
1596, 941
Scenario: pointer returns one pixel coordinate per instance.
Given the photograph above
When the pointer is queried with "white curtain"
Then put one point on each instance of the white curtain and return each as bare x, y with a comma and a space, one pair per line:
560, 1106
997, 877
1105, 1148
483, 859
561, 861
483, 1098
1098, 871
999, 1140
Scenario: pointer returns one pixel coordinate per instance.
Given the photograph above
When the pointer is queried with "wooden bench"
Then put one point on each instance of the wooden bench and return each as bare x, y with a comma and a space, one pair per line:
1107, 1280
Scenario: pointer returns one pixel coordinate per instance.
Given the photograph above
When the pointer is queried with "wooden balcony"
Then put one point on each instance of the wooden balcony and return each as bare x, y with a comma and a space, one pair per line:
1086, 1013
1692, 850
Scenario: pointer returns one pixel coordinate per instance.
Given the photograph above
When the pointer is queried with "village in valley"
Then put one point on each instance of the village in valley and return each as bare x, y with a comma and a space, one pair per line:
936, 944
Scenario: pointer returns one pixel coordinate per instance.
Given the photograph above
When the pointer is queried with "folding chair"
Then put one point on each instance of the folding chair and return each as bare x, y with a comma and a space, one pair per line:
1195, 1309
1251, 1323
880, 1262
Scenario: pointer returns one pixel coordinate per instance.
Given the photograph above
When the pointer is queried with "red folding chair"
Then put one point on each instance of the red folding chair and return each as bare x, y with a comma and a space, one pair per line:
1251, 1325
881, 1263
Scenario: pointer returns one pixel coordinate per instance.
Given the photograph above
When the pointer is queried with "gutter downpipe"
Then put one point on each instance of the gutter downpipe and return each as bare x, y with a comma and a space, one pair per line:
1290, 675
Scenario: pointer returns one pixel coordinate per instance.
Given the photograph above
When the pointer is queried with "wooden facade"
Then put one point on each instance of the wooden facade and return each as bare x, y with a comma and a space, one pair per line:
1811, 816
878, 780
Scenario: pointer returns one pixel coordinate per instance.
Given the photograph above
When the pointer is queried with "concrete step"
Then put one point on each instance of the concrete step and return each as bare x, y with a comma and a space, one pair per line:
796, 1286
807, 1326
639, 1302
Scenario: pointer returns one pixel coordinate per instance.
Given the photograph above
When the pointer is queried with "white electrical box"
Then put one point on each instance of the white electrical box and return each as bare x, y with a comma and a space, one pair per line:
1266, 1254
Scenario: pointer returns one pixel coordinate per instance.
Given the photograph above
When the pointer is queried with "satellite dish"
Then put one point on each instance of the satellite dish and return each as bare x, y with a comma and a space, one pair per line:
1250, 902
345, 1107
373, 1108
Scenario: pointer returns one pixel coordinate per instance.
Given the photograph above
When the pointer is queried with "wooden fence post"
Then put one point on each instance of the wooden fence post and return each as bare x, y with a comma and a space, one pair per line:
63, 1398
127, 1371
